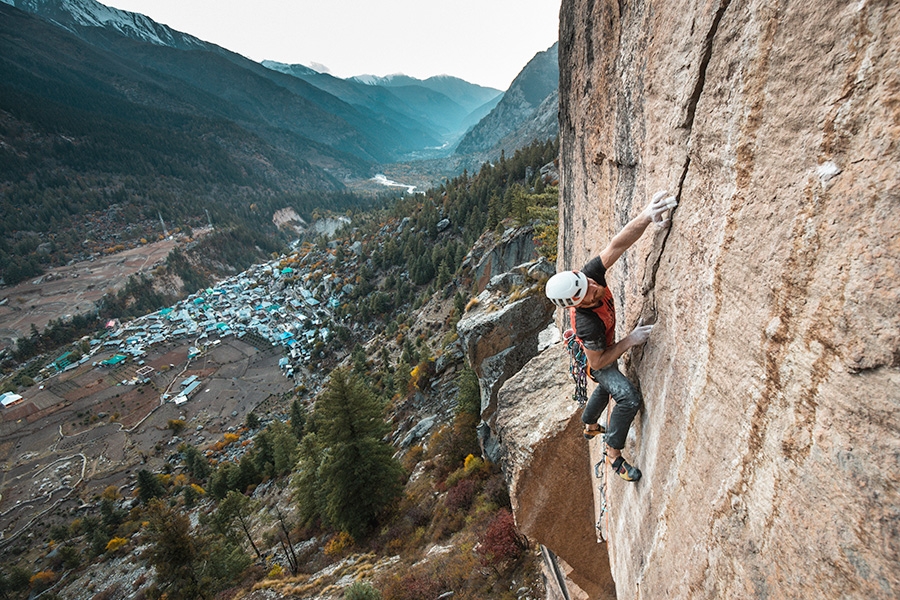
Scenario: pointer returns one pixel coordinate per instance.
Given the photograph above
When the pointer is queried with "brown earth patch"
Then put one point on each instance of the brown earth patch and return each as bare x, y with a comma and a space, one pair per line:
73, 289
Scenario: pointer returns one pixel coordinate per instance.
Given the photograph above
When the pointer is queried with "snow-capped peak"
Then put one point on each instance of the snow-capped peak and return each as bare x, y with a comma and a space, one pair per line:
89, 13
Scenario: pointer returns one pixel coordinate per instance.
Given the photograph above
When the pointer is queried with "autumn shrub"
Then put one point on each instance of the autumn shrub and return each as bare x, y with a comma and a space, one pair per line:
450, 445
115, 544
42, 580
361, 590
413, 585
422, 374
407, 529
339, 544
501, 543
459, 498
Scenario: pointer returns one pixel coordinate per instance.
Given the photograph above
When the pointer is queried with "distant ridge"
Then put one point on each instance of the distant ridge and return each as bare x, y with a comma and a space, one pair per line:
441, 108
527, 111
73, 15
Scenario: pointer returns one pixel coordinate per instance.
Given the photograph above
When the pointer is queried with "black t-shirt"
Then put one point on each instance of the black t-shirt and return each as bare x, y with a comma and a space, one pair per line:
595, 270
588, 325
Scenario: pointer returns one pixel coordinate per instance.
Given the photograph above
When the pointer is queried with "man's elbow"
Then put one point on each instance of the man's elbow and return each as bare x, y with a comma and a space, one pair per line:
598, 364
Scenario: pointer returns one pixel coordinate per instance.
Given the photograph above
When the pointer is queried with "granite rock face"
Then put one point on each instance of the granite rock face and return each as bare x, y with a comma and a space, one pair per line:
769, 437
500, 332
547, 464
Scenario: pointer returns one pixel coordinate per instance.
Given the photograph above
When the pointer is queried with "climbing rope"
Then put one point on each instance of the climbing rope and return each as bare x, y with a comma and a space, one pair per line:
577, 366
602, 488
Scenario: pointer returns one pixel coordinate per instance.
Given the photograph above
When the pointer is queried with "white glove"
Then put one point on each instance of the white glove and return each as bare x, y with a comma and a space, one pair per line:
658, 206
640, 335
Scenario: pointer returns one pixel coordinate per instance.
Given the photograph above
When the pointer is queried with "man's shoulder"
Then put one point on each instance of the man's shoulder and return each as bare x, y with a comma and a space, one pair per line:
595, 269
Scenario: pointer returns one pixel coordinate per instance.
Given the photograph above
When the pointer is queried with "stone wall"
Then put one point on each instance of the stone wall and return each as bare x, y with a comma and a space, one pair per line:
769, 437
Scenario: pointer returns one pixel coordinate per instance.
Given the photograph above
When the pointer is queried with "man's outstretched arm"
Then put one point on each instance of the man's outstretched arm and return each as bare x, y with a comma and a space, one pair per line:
633, 231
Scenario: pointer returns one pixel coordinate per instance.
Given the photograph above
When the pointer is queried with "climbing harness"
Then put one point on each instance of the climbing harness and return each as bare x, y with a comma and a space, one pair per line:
577, 366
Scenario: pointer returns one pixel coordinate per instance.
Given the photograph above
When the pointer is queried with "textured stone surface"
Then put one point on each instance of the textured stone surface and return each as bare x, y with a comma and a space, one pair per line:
494, 254
769, 437
500, 333
547, 464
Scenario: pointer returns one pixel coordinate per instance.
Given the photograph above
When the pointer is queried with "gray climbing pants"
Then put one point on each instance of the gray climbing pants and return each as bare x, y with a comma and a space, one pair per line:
611, 382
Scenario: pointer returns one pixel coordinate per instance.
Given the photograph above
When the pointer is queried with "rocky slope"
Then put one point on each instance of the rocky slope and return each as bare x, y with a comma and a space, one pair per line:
768, 438
522, 111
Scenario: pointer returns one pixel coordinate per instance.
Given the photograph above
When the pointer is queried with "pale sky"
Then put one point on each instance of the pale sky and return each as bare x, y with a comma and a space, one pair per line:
482, 41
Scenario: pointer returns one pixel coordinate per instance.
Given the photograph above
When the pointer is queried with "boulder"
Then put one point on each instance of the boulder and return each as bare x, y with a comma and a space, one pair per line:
499, 334
548, 468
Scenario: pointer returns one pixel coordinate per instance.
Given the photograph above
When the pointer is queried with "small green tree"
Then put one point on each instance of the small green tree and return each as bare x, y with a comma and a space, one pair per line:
298, 419
195, 463
350, 466
235, 509
469, 398
172, 552
149, 486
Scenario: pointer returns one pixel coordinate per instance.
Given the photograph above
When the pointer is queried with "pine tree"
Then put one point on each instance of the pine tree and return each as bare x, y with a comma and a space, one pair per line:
356, 473
298, 418
149, 486
172, 551
235, 510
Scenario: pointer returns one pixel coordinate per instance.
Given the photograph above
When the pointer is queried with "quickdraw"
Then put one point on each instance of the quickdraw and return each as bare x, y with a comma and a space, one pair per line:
577, 366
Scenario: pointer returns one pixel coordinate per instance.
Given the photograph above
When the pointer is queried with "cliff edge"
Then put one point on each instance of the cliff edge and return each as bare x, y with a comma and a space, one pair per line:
768, 438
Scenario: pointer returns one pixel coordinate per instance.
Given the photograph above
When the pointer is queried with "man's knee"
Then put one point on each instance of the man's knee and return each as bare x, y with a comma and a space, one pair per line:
629, 399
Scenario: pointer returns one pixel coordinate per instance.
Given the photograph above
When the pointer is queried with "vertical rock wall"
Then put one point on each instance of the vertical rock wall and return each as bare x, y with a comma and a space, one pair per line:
770, 435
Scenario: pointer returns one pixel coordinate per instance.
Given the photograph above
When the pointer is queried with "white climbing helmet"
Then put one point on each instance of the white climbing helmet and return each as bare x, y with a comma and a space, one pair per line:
567, 288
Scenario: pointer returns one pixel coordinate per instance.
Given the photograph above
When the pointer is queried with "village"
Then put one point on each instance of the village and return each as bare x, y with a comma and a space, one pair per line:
247, 344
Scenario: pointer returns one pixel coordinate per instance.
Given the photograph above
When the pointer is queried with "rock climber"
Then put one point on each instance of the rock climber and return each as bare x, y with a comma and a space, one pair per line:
593, 317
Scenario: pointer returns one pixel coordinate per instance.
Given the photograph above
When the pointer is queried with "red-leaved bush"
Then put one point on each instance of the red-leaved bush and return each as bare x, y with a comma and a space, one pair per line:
501, 541
411, 586
461, 495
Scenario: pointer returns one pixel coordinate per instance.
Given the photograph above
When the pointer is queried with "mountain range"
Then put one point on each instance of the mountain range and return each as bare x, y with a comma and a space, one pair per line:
527, 111
374, 119
100, 106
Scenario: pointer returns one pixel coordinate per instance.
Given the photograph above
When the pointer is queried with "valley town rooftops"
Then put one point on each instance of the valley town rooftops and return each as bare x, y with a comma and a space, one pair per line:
10, 399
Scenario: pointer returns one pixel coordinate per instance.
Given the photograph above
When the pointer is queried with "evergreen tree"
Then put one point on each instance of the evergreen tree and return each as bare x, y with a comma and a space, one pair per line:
351, 466
307, 493
235, 510
195, 463
172, 552
298, 418
149, 486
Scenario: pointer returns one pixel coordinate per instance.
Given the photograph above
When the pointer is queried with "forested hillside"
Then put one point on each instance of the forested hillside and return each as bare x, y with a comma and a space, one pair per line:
313, 470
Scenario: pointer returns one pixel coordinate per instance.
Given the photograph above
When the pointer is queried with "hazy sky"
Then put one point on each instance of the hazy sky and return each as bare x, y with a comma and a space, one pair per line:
482, 41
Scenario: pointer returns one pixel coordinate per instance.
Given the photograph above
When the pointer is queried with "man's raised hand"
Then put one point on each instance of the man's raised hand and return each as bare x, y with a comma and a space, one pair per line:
658, 207
640, 334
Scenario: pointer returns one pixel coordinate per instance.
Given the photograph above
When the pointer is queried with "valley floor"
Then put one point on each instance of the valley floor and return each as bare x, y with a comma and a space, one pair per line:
73, 289
86, 429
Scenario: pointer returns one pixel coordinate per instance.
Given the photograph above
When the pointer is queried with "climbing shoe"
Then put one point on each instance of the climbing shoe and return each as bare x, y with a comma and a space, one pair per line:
624, 470
590, 434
